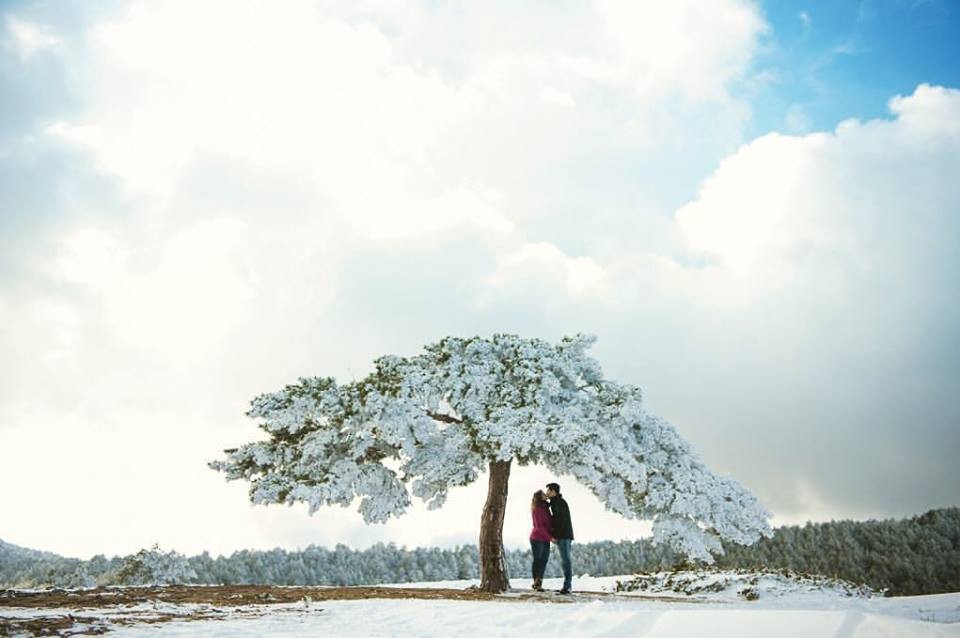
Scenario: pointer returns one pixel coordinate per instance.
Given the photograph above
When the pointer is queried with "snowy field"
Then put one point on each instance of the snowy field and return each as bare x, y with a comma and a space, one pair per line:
780, 611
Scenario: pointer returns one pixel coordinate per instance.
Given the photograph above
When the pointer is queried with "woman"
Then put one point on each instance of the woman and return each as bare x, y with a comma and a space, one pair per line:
540, 538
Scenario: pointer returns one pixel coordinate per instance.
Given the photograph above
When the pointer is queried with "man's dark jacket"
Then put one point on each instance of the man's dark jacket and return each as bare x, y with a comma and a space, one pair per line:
560, 527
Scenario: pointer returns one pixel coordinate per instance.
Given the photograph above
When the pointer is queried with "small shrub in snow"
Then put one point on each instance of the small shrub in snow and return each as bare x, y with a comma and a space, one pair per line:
153, 567
750, 585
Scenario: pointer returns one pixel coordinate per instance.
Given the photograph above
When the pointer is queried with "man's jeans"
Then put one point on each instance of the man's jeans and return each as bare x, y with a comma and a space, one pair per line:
563, 545
541, 554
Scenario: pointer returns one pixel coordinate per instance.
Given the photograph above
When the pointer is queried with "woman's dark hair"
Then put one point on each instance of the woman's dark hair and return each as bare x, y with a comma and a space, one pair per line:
538, 499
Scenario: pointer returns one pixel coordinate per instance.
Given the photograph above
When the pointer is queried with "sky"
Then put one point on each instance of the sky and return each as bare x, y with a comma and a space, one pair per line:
754, 206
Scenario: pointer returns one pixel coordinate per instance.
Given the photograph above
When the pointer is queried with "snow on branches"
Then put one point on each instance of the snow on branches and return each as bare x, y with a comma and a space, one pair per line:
436, 419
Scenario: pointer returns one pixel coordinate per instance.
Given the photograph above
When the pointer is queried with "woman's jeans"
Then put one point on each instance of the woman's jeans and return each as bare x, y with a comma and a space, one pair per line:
541, 553
563, 544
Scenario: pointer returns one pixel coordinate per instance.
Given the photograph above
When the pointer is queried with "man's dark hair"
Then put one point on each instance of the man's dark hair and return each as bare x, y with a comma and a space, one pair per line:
554, 486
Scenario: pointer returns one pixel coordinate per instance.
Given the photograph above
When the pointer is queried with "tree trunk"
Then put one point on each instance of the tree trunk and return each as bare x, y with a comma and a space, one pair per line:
493, 568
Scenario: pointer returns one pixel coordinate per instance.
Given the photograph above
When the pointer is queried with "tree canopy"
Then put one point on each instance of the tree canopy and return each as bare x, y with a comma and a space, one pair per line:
419, 425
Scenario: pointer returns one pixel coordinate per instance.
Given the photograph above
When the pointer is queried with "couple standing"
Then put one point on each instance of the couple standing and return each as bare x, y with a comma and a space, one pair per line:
551, 523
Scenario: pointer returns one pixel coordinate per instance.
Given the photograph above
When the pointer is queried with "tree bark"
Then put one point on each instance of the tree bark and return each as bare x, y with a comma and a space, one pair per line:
493, 568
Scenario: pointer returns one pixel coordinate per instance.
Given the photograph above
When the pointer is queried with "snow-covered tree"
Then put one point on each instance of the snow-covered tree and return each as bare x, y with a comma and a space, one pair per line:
154, 567
421, 424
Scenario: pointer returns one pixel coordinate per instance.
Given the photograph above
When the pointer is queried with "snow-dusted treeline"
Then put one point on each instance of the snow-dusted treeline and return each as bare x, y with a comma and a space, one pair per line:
918, 555
317, 565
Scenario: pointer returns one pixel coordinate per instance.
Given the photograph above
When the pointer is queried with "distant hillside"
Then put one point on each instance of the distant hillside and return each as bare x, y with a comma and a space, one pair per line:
15, 559
917, 555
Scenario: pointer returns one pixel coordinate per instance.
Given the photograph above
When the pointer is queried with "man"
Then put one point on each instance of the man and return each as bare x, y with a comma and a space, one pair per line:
562, 531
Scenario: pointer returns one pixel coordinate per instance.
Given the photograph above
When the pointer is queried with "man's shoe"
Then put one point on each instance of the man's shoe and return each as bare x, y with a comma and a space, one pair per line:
537, 584
565, 592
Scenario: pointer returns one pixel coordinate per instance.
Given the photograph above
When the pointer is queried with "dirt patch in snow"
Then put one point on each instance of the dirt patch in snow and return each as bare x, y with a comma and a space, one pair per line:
72, 612
220, 595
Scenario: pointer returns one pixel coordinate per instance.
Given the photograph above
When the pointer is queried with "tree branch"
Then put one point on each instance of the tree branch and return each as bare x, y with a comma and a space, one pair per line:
446, 418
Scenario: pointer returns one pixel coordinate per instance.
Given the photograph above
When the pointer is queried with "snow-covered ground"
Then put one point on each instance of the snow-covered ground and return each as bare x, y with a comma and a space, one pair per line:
780, 611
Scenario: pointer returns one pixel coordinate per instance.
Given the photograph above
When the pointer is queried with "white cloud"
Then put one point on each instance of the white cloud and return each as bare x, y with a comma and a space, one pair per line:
389, 139
308, 188
783, 200
824, 318
745, 211
929, 115
276, 163
542, 262
689, 45
183, 304
554, 96
28, 39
